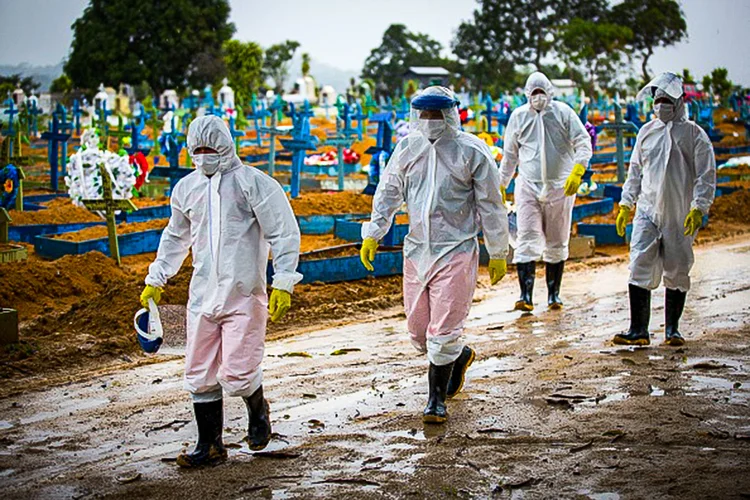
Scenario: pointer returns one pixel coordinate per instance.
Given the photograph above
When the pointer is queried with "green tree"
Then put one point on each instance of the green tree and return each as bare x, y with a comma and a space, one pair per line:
276, 62
707, 84
61, 85
244, 63
305, 64
597, 49
504, 34
399, 50
655, 23
721, 84
169, 44
687, 76
10, 83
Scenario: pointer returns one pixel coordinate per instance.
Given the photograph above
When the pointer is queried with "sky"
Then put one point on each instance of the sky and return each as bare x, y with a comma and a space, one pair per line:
342, 32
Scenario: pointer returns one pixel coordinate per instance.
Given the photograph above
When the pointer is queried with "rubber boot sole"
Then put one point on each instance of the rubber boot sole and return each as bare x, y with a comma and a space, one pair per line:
463, 375
523, 306
215, 458
555, 306
434, 419
617, 340
675, 342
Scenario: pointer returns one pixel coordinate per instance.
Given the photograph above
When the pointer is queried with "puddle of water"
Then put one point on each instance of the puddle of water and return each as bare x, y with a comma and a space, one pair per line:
4, 424
599, 496
494, 364
655, 358
734, 365
705, 383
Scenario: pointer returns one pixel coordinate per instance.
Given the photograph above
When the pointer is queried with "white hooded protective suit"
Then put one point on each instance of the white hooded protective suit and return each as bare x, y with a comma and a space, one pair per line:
451, 190
672, 170
544, 145
228, 220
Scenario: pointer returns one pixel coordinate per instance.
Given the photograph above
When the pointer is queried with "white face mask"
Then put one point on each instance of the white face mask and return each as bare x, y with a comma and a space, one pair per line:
664, 111
208, 163
432, 128
539, 101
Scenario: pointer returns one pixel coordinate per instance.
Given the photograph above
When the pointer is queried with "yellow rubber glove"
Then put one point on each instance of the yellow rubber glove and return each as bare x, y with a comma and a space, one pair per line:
623, 217
367, 253
498, 269
574, 179
693, 222
150, 292
503, 194
279, 304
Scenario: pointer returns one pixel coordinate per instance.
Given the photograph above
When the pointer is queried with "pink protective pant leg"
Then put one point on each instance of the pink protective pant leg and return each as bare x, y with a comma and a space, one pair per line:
435, 312
226, 352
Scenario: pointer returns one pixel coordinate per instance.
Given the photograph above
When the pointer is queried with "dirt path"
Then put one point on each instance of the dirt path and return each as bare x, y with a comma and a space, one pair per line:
550, 410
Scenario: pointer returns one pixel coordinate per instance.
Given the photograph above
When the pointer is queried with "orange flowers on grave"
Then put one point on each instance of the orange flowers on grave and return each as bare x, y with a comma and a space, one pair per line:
8, 185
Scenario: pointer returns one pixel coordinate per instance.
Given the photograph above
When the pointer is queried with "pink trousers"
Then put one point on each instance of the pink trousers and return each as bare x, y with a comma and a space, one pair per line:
436, 311
225, 352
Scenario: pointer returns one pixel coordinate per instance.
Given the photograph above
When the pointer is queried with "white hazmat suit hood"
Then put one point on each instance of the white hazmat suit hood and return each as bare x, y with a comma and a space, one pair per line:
672, 170
212, 132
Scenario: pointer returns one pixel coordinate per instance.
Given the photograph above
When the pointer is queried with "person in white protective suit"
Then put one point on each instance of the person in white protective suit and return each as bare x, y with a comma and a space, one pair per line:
548, 143
671, 182
227, 215
451, 187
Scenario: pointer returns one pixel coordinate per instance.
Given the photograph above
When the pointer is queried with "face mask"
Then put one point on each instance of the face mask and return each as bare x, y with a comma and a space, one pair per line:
432, 128
208, 163
538, 101
664, 111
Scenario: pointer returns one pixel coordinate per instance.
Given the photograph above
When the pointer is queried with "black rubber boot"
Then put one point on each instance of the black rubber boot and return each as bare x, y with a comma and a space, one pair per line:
526, 274
210, 448
673, 307
259, 420
640, 314
554, 280
458, 374
435, 412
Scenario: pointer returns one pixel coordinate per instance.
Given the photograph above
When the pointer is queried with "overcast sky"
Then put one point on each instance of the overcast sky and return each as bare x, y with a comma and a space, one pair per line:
342, 32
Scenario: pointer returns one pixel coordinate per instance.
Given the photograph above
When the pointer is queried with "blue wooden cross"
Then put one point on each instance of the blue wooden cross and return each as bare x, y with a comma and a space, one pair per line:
10, 132
34, 112
403, 108
77, 111
64, 126
236, 134
384, 146
620, 127
300, 142
275, 109
258, 115
55, 137
343, 139
174, 172
360, 116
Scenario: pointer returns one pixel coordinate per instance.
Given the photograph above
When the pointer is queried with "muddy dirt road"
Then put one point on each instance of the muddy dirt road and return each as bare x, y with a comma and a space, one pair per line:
550, 409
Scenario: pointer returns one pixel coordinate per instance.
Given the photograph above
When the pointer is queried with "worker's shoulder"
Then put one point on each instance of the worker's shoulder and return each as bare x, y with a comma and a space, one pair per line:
520, 110
249, 176
186, 184
470, 139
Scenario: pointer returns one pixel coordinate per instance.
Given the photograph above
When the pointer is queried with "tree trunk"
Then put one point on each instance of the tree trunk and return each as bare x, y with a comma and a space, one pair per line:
644, 66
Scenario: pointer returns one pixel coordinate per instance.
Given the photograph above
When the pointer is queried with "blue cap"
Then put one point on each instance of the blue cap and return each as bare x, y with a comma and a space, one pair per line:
434, 102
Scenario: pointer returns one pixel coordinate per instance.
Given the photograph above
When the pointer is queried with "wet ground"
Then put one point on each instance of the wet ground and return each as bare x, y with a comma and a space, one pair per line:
550, 409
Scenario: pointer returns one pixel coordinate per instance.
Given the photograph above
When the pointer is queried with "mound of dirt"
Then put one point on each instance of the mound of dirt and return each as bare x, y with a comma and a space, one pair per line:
332, 203
732, 207
59, 211
95, 232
